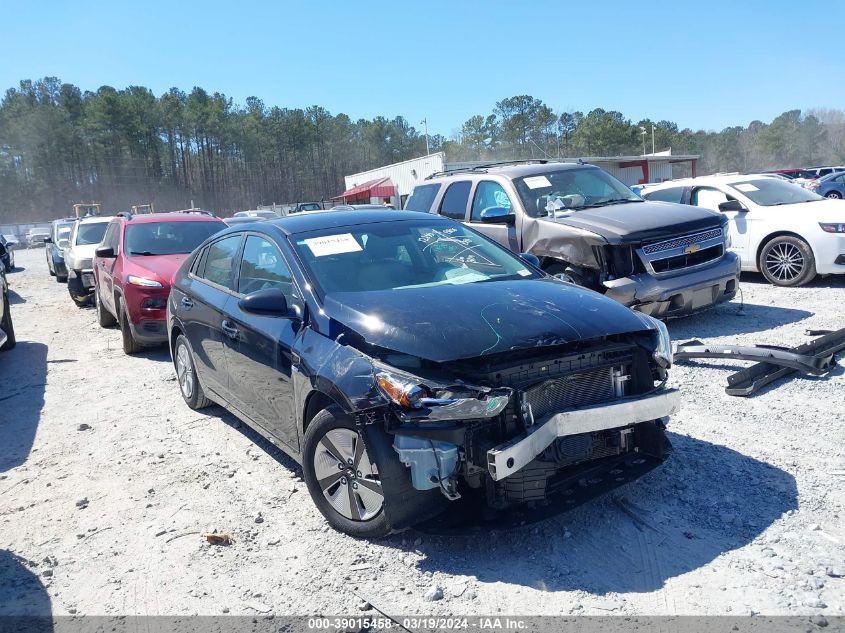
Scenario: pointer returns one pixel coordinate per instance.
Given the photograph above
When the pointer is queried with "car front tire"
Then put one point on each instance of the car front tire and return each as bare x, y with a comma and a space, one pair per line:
186, 375
342, 476
833, 195
787, 261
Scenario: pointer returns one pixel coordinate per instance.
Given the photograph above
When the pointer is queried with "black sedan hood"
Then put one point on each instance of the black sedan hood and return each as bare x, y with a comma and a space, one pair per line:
637, 222
451, 322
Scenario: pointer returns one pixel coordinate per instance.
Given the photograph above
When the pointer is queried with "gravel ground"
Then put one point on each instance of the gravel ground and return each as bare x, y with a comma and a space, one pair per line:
107, 480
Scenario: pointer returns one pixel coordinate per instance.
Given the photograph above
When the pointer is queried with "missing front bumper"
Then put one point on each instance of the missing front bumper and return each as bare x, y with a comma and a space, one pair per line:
508, 458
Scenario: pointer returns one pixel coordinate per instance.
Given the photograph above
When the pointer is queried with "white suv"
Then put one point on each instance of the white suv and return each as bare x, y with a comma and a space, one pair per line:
785, 232
79, 257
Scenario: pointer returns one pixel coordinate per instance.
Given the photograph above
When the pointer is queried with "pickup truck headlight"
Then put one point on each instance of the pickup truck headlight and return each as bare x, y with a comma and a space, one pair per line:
144, 282
833, 227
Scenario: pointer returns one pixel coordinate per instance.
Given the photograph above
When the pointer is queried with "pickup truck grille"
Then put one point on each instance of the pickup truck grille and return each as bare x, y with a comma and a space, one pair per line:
687, 251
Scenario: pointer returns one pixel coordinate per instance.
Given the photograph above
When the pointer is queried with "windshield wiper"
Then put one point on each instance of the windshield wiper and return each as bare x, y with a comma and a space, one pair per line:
141, 253
605, 203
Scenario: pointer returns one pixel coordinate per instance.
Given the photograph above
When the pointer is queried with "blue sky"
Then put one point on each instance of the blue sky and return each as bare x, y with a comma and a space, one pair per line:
704, 65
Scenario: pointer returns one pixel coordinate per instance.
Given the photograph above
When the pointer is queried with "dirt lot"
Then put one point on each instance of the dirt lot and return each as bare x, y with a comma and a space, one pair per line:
746, 516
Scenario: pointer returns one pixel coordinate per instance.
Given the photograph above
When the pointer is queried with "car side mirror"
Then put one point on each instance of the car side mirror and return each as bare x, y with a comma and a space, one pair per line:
269, 302
498, 215
530, 258
48, 240
731, 205
105, 252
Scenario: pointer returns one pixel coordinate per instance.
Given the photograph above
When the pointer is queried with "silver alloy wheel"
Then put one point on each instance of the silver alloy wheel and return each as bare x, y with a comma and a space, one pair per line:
346, 476
833, 195
784, 261
185, 371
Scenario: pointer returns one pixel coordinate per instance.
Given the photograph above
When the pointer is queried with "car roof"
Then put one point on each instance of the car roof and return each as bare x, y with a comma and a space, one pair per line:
94, 219
306, 222
509, 170
704, 180
154, 218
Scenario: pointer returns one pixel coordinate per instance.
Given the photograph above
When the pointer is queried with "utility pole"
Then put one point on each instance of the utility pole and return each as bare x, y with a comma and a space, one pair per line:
652, 138
424, 123
643, 132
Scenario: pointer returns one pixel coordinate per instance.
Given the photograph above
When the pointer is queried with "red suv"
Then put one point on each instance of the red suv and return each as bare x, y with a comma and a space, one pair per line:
134, 266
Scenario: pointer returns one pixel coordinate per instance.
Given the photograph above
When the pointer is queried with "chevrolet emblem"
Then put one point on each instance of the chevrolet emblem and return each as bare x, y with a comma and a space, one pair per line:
692, 248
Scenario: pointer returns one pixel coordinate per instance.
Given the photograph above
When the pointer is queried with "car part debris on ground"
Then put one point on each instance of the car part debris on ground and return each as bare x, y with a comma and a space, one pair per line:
816, 358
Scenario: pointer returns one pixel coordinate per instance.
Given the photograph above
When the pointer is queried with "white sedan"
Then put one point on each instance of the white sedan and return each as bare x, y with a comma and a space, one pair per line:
785, 232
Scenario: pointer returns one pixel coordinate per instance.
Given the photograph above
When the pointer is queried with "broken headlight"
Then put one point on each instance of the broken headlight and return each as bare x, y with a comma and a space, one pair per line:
401, 390
663, 350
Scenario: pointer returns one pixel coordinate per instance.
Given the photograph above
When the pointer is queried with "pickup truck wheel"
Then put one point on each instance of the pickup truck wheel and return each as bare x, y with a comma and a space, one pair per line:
6, 325
104, 317
186, 374
787, 261
342, 478
565, 273
130, 345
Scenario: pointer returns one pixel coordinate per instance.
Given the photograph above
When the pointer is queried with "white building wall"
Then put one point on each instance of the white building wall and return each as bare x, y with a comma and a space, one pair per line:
404, 175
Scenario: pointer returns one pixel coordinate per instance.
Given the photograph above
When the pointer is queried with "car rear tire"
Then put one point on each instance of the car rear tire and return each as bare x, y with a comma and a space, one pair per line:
833, 195
130, 345
342, 477
186, 375
787, 261
104, 317
6, 326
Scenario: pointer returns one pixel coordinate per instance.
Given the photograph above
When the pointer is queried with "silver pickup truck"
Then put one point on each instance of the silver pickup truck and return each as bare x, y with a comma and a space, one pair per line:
588, 228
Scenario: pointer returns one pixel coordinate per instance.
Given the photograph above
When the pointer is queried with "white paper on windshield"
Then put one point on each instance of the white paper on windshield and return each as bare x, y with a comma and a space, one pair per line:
332, 244
536, 182
524, 272
746, 187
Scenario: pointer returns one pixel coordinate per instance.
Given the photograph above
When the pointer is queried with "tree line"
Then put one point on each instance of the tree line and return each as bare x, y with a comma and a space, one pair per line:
60, 145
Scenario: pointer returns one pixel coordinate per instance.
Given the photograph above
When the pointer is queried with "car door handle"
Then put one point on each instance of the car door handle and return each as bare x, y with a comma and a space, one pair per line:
230, 330
187, 303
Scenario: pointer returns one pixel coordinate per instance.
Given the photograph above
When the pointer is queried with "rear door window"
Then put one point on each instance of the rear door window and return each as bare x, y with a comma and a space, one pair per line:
422, 198
219, 264
454, 204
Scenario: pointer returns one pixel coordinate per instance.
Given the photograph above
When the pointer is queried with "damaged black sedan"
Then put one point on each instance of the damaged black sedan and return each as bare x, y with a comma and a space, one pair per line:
406, 361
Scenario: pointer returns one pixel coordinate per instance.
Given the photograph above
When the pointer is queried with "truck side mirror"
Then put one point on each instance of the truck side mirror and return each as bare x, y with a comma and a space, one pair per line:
731, 205
498, 215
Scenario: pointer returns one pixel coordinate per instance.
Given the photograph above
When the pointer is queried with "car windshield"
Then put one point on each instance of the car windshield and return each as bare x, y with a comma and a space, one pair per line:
168, 238
90, 233
400, 255
556, 192
770, 192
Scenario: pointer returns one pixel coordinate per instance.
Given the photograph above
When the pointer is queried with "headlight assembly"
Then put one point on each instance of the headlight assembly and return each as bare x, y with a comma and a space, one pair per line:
400, 390
832, 227
663, 351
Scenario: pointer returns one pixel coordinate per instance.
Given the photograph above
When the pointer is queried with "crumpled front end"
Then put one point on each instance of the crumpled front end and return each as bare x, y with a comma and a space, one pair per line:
517, 428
